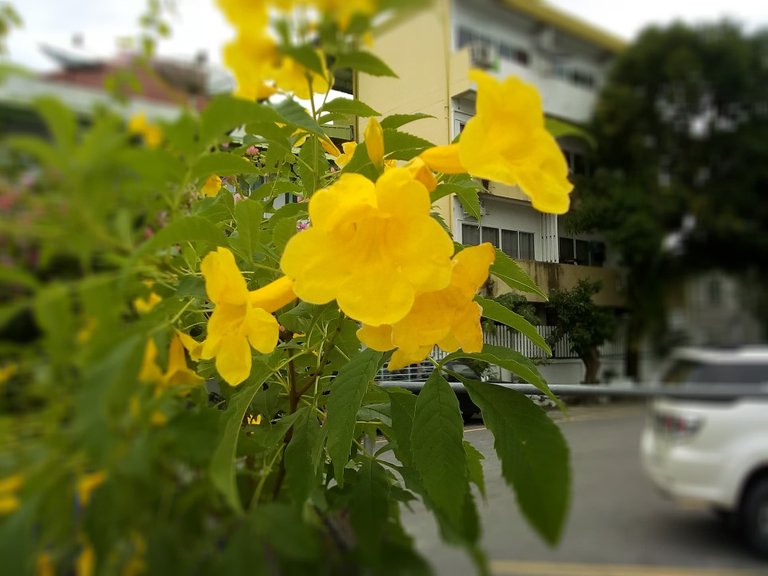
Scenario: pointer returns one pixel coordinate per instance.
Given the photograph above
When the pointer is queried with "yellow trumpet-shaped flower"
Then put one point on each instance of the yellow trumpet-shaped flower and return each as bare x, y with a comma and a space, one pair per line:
241, 319
348, 150
372, 247
448, 317
151, 133
260, 69
9, 486
87, 484
422, 172
506, 142
245, 14
212, 186
374, 142
176, 374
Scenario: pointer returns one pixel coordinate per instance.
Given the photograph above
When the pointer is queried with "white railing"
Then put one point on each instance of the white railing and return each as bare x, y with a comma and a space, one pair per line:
509, 338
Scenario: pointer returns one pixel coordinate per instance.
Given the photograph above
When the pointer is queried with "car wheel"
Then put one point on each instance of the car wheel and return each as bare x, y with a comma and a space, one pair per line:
754, 516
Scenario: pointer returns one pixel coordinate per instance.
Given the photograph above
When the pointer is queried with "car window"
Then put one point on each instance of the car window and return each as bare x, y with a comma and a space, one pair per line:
692, 372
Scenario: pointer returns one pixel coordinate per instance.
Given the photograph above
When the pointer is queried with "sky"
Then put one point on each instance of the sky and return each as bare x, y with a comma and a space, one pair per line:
199, 27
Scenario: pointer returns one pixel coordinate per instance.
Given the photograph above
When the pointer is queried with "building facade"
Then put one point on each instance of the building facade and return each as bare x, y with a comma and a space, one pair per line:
564, 57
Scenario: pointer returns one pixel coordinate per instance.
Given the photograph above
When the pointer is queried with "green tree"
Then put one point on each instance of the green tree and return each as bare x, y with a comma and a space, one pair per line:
680, 128
586, 324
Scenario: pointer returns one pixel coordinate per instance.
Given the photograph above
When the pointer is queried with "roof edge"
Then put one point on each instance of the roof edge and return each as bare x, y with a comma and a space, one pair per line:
570, 23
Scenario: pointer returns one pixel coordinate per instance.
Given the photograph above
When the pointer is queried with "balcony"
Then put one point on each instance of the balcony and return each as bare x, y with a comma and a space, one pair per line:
553, 276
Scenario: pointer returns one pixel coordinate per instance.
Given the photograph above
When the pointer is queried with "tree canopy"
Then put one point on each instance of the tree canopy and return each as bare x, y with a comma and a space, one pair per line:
680, 131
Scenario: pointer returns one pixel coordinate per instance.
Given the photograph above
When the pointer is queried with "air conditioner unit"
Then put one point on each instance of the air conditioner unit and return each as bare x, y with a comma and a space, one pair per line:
483, 55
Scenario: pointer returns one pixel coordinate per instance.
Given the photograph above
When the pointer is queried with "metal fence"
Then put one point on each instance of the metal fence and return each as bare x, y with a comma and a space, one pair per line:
507, 338
510, 338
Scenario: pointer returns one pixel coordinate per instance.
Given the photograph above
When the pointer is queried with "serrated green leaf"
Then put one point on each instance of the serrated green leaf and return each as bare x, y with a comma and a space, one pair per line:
221, 164
53, 308
437, 447
403, 146
224, 113
300, 471
369, 505
361, 164
283, 527
347, 391
182, 134
294, 113
190, 228
397, 120
510, 272
364, 62
349, 106
446, 188
475, 466
470, 201
495, 311
248, 215
533, 452
510, 360
222, 467
402, 408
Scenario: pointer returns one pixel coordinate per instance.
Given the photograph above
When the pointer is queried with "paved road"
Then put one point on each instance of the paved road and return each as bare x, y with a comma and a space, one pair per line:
618, 524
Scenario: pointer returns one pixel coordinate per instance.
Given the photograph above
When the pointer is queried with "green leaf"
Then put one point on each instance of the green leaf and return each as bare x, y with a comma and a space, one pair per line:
61, 121
282, 526
475, 466
347, 391
224, 113
294, 113
403, 146
402, 408
312, 165
347, 106
495, 311
470, 201
369, 505
533, 452
248, 215
437, 446
55, 316
510, 360
221, 164
301, 473
283, 230
305, 55
18, 277
191, 228
222, 468
364, 62
510, 272
397, 120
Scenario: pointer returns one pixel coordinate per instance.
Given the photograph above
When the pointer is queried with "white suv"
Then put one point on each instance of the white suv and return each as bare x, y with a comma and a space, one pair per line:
714, 450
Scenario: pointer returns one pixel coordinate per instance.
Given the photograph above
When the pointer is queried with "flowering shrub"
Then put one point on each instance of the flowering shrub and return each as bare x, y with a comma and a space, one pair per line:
187, 378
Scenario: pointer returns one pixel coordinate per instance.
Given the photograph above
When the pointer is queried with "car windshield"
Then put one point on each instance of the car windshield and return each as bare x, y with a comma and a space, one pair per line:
694, 372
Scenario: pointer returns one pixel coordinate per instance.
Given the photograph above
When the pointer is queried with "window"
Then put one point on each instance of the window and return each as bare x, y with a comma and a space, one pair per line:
467, 37
491, 235
581, 252
518, 245
470, 234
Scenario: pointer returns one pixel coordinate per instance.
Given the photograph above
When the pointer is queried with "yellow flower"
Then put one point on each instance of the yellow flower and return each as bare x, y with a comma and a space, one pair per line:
9, 486
506, 142
343, 10
374, 142
157, 418
176, 374
44, 565
212, 186
448, 317
8, 371
241, 319
85, 333
260, 69
87, 484
86, 562
421, 172
144, 305
253, 421
151, 133
371, 247
245, 14
348, 150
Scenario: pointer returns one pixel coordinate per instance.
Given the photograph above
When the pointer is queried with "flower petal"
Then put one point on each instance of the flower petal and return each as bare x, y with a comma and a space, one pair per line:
377, 337
444, 159
233, 361
274, 295
223, 281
